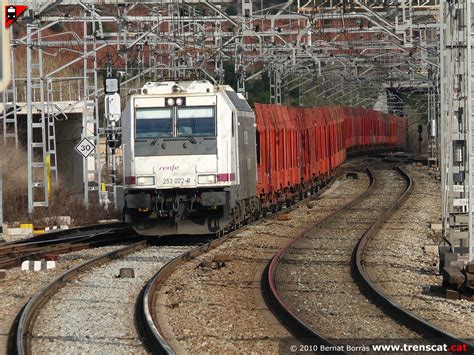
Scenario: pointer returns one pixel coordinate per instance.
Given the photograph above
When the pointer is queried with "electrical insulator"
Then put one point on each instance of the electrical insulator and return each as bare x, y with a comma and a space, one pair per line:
433, 128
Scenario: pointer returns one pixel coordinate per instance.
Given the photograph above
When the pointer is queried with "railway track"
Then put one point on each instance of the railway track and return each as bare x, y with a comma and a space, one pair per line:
88, 308
158, 340
37, 248
339, 307
144, 310
24, 335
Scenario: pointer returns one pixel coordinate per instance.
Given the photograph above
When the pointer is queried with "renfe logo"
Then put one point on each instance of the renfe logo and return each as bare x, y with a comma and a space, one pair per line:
168, 168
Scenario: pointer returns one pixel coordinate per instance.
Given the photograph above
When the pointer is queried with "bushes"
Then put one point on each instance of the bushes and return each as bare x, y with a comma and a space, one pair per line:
62, 202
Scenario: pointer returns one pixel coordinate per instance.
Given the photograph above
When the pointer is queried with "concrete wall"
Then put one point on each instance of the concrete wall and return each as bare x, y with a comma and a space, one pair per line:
68, 134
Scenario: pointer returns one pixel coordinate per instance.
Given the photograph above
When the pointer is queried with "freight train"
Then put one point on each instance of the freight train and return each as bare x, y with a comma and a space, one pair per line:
199, 160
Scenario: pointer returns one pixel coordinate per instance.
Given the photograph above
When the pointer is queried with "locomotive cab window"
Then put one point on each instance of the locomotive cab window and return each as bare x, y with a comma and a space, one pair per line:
196, 121
154, 122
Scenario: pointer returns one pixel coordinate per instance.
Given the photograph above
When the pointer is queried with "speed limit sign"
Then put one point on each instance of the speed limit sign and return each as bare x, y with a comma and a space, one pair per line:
85, 147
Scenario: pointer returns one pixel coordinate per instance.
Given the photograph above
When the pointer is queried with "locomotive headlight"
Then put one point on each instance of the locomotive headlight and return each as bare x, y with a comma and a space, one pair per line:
175, 101
145, 180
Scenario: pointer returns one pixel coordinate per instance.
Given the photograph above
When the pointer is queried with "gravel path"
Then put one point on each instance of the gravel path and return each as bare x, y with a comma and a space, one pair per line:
95, 312
18, 286
315, 279
404, 271
221, 310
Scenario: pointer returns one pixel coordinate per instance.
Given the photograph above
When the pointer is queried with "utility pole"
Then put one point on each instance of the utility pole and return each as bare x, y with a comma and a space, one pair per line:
112, 117
4, 80
457, 127
1, 194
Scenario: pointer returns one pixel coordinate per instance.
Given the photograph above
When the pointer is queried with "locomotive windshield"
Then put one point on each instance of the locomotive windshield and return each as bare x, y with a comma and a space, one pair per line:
154, 122
196, 121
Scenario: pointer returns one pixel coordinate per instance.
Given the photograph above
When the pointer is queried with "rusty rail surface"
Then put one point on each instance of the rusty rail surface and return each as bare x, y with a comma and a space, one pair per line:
275, 303
389, 305
302, 331
20, 334
146, 316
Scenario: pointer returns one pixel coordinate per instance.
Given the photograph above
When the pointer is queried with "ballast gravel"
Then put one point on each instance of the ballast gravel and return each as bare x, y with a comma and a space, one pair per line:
399, 264
18, 286
95, 312
314, 278
205, 310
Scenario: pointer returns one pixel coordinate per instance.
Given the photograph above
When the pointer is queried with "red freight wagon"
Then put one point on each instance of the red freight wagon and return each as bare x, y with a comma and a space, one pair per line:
299, 148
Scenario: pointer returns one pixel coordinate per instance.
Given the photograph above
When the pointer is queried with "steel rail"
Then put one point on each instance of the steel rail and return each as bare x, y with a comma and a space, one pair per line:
146, 317
21, 336
65, 232
300, 329
13, 254
388, 304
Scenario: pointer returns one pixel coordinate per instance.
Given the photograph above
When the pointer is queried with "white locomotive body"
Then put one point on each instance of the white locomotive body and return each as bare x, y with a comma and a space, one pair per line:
190, 158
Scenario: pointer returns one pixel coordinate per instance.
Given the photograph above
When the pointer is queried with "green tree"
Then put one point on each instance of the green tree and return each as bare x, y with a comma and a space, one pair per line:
257, 89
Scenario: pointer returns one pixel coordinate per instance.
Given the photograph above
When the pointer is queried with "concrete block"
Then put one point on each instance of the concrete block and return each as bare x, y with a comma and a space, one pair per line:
453, 275
12, 234
37, 265
448, 257
126, 273
3, 274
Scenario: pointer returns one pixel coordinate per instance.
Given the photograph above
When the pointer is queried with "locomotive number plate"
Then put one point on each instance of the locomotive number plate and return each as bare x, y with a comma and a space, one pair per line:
176, 181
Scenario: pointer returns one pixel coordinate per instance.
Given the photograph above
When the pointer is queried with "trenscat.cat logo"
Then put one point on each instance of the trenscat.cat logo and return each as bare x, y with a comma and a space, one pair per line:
12, 13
